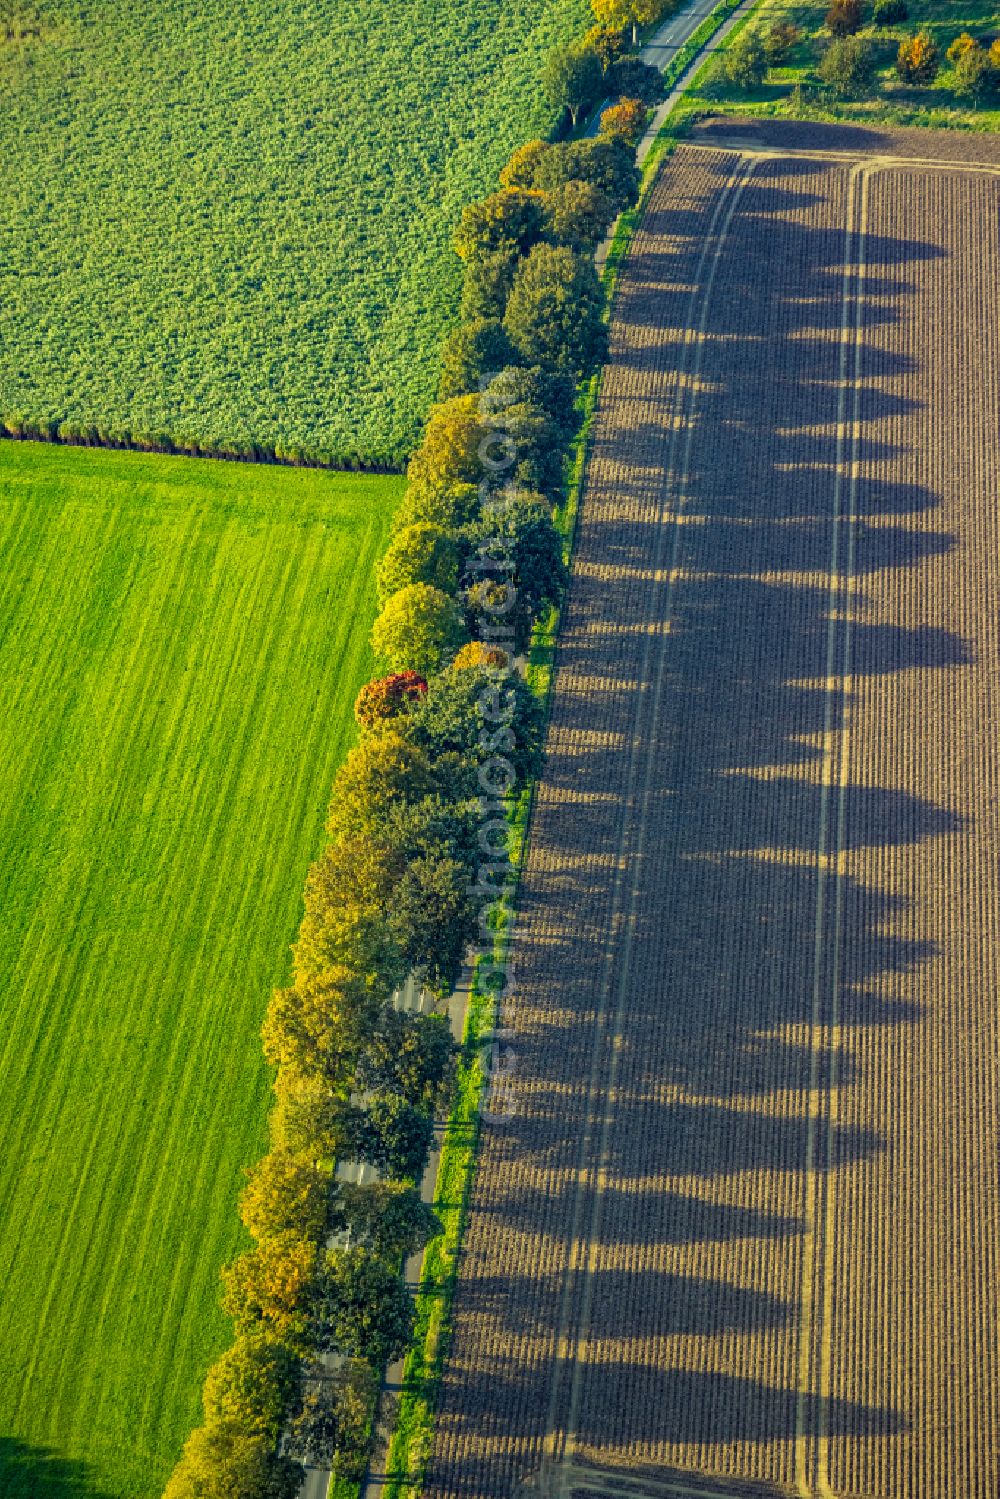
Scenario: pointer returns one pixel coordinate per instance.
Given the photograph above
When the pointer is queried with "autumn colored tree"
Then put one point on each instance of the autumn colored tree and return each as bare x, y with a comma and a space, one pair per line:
286, 1193
573, 79
472, 352
317, 1025
449, 453
381, 772
555, 314
253, 1383
386, 698
423, 553
267, 1291
844, 17
363, 1308
476, 655
625, 121
608, 42
622, 15
308, 1116
420, 627
223, 1461
520, 168
962, 44
509, 219
917, 59
445, 504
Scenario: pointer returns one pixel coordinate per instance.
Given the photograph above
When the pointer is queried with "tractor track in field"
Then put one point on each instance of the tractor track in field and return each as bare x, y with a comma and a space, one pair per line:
735, 1240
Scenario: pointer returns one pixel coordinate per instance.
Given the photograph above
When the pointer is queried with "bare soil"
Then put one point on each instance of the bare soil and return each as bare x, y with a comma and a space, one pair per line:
738, 1235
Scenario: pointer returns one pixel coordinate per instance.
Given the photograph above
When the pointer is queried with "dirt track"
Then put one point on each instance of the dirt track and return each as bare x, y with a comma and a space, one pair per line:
739, 1233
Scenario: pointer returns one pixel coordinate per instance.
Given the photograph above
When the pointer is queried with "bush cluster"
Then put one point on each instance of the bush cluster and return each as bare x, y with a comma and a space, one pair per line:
450, 732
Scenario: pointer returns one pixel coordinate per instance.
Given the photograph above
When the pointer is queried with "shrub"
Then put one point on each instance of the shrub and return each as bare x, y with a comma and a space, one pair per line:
917, 59
779, 40
625, 121
848, 67
573, 79
423, 553
509, 219
745, 62
476, 348
845, 17
555, 314
890, 12
420, 628
285, 1194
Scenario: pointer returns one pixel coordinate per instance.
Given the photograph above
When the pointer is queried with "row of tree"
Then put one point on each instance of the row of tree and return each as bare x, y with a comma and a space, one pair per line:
417, 832
850, 64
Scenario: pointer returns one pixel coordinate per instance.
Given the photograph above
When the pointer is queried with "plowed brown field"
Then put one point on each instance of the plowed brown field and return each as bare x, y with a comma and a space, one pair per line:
738, 1235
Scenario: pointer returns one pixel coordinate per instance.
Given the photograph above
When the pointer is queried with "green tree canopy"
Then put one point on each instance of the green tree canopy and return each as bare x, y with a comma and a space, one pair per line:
509, 219
224, 1461
573, 79
253, 1383
472, 352
422, 553
420, 627
364, 1310
387, 1217
555, 314
286, 1193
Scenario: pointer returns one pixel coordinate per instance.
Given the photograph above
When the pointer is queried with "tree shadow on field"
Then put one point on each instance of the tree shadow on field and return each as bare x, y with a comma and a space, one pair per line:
695, 959
34, 1473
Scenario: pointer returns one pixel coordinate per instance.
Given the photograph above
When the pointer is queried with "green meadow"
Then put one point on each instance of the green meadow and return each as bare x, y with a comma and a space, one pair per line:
180, 645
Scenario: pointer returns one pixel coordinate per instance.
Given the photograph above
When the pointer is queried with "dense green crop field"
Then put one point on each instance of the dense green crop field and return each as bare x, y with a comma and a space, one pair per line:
180, 645
232, 223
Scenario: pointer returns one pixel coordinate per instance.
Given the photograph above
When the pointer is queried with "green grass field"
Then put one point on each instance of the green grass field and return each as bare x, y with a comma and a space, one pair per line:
795, 89
232, 224
180, 645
